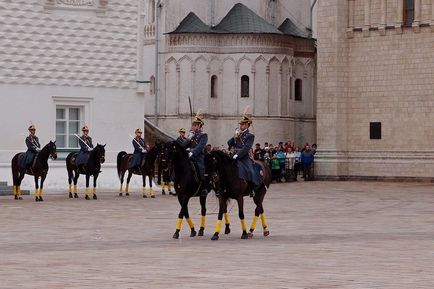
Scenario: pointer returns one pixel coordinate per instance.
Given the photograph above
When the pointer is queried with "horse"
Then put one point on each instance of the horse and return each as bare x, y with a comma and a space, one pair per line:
187, 185
91, 168
228, 185
165, 170
38, 169
145, 170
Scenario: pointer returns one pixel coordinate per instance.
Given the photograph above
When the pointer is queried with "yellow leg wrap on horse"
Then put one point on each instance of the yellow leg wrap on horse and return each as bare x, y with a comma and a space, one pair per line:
202, 221
15, 190
94, 190
37, 193
19, 191
178, 224
40, 192
126, 188
70, 188
162, 186
120, 189
86, 191
243, 225
169, 185
151, 192
253, 225
226, 218
75, 188
218, 226
264, 221
144, 190
190, 223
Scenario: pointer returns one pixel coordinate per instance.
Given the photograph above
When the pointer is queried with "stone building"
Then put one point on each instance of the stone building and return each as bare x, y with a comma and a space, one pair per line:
375, 88
224, 56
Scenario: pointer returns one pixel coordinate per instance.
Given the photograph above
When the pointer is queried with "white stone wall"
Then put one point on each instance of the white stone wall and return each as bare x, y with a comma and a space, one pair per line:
53, 53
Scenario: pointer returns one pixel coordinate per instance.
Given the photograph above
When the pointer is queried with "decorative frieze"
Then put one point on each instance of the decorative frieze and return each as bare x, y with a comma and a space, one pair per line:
98, 6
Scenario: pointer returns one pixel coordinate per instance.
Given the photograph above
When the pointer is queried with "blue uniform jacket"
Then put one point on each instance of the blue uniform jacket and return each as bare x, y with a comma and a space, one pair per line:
33, 145
83, 154
197, 145
242, 144
137, 158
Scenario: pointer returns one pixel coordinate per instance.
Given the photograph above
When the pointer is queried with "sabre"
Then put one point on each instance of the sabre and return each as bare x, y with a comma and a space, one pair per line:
83, 141
137, 143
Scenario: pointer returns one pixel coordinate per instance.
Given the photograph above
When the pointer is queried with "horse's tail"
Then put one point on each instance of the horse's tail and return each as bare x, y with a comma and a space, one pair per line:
15, 169
119, 162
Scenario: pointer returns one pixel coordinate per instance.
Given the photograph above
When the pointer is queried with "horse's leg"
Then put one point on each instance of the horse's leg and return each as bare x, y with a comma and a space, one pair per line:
86, 190
144, 186
187, 217
76, 176
70, 177
95, 177
151, 190
127, 186
20, 179
202, 200
42, 187
261, 195
240, 201
163, 192
222, 209
227, 223
36, 188
122, 175
180, 217
169, 188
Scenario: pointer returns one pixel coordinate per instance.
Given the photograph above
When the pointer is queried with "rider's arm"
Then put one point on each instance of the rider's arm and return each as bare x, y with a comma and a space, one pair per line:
202, 141
30, 146
248, 143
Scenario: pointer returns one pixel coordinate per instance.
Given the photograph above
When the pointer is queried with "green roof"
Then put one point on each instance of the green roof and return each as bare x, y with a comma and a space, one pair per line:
192, 24
289, 28
240, 19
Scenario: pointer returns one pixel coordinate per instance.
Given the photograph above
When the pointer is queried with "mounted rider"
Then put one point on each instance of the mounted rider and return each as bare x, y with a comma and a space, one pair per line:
139, 150
33, 148
86, 147
181, 138
195, 144
242, 143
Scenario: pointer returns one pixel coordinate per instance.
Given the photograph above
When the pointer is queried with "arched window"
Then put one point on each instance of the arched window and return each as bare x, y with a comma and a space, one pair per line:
408, 16
152, 85
214, 86
298, 94
244, 86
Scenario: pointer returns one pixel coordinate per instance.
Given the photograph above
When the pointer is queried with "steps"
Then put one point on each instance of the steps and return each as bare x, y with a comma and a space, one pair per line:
6, 190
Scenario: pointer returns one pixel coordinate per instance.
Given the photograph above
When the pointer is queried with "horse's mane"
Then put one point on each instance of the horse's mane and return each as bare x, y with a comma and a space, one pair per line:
222, 156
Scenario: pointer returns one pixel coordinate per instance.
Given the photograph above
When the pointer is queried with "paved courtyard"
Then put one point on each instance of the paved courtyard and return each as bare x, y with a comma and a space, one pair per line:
323, 235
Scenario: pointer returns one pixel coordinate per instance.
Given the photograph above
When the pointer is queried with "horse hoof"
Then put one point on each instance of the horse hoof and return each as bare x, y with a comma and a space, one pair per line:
153, 196
193, 233
75, 196
36, 199
250, 235
215, 237
201, 230
70, 195
20, 198
120, 194
244, 236
95, 197
87, 197
163, 192
41, 199
227, 229
127, 194
266, 233
176, 235
16, 197
145, 196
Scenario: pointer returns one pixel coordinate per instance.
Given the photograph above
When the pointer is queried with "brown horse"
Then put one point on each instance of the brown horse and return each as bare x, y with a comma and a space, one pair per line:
228, 185
39, 169
91, 168
145, 170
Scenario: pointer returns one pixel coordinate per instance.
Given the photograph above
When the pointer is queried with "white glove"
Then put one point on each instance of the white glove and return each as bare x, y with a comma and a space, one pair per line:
38, 150
190, 135
90, 149
188, 149
190, 154
235, 157
143, 150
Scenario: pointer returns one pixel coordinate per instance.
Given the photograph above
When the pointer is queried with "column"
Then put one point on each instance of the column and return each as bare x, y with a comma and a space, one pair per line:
399, 15
416, 21
432, 15
383, 21
350, 32
253, 71
367, 18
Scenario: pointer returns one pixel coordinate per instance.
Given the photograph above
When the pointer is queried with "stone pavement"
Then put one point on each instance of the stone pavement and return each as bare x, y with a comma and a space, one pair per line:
323, 235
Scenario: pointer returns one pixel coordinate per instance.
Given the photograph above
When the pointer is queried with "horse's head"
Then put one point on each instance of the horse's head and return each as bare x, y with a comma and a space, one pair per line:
99, 152
175, 152
51, 146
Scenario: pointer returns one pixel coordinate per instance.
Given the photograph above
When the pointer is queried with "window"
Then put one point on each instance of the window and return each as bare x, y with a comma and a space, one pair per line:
214, 86
298, 90
244, 86
152, 85
68, 120
375, 130
408, 12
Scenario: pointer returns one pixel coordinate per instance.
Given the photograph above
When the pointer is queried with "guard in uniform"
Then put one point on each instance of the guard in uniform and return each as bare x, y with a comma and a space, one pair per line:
86, 147
242, 143
195, 144
139, 150
181, 138
33, 148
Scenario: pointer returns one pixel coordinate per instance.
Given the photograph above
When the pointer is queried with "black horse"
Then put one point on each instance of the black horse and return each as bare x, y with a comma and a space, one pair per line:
228, 185
91, 168
187, 185
147, 169
38, 169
